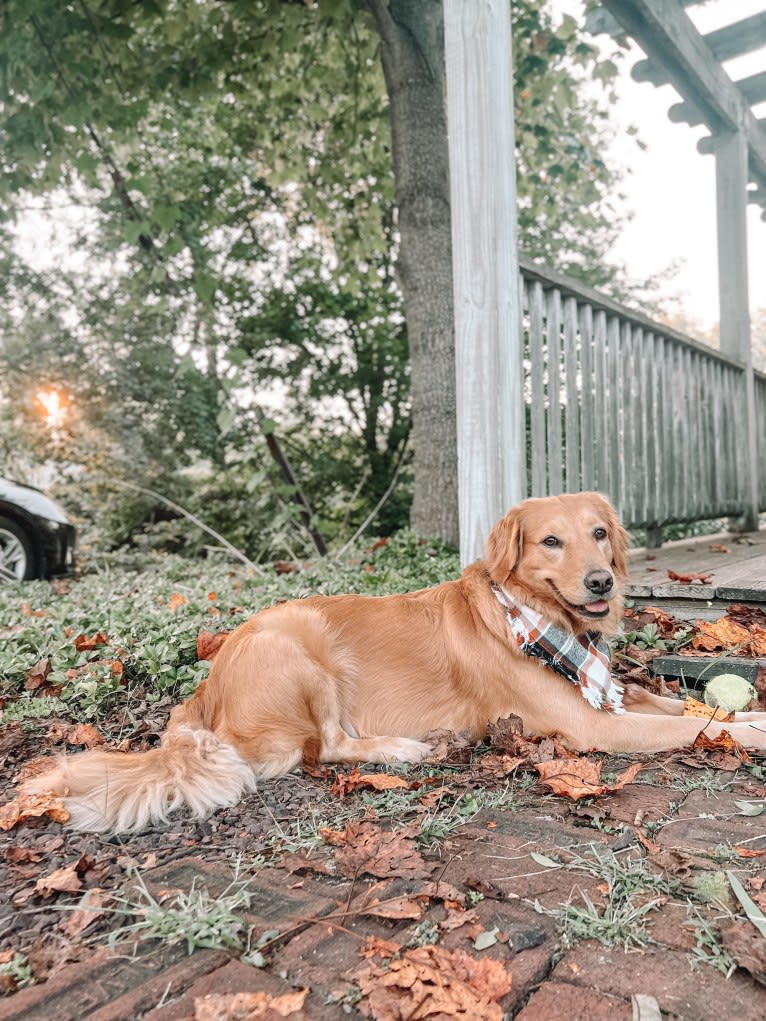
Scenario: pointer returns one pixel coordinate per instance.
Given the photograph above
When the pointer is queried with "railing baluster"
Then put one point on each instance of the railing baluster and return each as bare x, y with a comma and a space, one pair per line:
621, 404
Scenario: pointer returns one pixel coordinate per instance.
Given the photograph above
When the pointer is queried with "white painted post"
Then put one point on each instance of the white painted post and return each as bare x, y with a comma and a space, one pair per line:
731, 156
488, 342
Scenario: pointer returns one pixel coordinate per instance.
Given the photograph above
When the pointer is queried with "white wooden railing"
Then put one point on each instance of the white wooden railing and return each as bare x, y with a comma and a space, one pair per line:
622, 404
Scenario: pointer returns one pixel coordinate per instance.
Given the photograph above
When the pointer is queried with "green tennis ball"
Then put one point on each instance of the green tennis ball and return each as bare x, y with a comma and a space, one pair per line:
729, 692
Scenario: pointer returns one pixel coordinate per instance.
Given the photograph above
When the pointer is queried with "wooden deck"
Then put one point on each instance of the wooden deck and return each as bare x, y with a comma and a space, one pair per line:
733, 568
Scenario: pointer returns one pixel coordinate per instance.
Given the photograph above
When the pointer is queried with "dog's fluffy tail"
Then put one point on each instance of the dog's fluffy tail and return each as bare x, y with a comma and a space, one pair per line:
122, 792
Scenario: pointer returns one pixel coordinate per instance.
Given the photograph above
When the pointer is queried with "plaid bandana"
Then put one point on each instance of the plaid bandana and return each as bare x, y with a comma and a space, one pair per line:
583, 659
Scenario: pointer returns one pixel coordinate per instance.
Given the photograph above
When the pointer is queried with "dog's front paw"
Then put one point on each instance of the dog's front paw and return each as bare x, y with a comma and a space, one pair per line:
405, 749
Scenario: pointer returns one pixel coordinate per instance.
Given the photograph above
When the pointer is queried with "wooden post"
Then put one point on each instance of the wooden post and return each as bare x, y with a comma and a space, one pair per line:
488, 344
731, 162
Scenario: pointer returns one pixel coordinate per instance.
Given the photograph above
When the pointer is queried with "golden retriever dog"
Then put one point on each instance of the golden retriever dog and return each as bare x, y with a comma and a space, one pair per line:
367, 678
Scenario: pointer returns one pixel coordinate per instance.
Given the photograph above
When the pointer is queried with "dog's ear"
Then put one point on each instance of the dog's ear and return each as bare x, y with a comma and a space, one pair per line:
504, 546
618, 538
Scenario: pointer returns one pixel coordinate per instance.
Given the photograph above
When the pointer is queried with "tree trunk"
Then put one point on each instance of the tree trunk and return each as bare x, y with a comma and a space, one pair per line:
412, 52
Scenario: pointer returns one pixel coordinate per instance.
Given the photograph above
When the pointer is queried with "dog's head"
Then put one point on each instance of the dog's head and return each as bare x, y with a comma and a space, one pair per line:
565, 556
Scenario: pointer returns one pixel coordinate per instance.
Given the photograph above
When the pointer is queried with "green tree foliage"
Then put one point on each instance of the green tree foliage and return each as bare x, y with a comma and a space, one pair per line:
233, 162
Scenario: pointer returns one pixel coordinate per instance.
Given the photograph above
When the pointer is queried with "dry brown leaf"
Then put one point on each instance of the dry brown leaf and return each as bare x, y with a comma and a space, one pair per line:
747, 947
90, 907
749, 852
581, 778
723, 743
407, 906
30, 806
369, 849
248, 1006
84, 734
64, 880
449, 746
693, 707
38, 674
86, 643
500, 766
209, 642
713, 635
433, 982
688, 579
346, 782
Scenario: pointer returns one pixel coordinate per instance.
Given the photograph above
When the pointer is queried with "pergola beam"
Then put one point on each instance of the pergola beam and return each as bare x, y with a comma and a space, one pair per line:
731, 41
666, 32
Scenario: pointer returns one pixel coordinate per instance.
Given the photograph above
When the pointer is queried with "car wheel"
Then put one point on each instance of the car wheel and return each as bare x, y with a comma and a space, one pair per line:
17, 559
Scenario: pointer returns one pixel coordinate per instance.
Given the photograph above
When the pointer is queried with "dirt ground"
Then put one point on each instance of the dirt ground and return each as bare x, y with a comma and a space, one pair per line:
461, 889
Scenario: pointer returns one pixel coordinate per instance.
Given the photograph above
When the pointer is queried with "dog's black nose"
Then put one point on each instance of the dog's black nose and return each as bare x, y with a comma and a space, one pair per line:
599, 582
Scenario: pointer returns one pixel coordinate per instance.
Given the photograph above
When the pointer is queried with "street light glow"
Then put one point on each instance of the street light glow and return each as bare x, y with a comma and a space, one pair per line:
54, 408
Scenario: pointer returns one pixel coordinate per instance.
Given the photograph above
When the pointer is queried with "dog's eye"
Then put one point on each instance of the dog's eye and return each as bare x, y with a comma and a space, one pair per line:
551, 540
599, 534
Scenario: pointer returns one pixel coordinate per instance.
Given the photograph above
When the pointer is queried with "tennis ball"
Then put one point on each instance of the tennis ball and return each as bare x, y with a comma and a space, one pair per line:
729, 692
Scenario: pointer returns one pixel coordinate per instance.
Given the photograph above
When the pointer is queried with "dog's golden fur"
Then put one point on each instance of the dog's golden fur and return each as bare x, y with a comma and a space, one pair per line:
366, 678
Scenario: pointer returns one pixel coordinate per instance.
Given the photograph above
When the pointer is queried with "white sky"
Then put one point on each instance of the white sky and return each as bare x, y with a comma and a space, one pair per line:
671, 187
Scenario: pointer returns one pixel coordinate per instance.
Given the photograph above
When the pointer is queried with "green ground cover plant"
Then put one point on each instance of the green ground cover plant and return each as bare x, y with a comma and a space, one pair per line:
126, 632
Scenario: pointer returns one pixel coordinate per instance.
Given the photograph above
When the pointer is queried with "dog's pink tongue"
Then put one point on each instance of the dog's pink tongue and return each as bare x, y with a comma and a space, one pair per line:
597, 607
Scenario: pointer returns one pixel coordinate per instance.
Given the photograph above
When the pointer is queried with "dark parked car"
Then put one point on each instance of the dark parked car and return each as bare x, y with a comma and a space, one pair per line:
37, 539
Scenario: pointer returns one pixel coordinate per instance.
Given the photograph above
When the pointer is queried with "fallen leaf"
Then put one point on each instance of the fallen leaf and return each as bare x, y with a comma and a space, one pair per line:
298, 861
712, 635
37, 675
486, 888
505, 733
84, 734
209, 642
433, 982
581, 778
30, 806
693, 707
448, 746
86, 643
64, 880
344, 783
382, 853
177, 600
716, 547
89, 908
747, 852
258, 1006
688, 579
748, 949
723, 743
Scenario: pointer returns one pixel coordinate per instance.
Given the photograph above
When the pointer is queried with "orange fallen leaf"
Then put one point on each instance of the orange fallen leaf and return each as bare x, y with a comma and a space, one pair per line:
693, 707
209, 642
724, 742
30, 806
688, 579
64, 880
27, 611
346, 782
748, 852
433, 982
712, 635
369, 849
86, 643
581, 778
258, 1006
84, 734
176, 600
